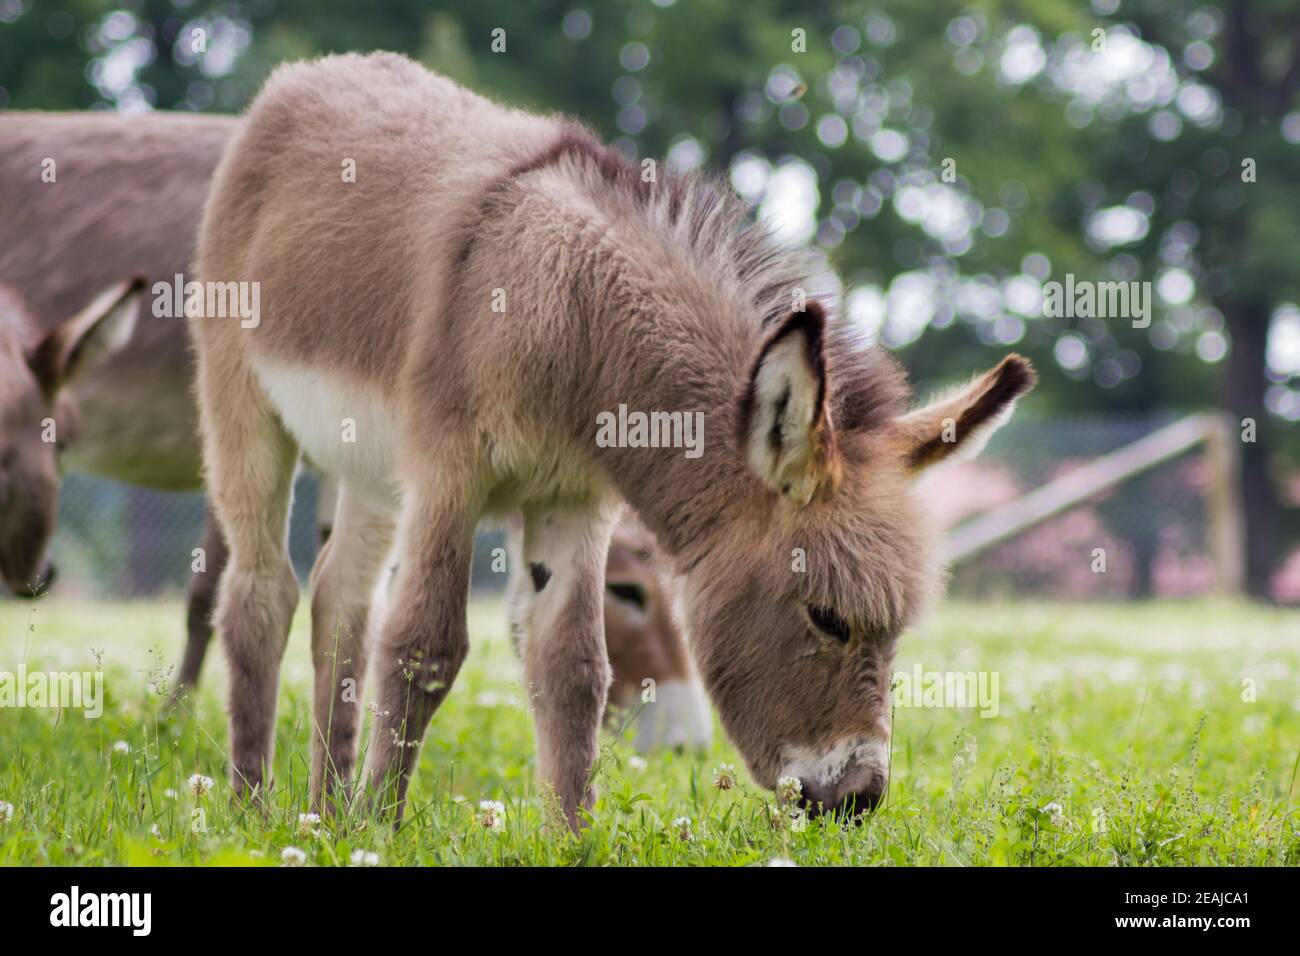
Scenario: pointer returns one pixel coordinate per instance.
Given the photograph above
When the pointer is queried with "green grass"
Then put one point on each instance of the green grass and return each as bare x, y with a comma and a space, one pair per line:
1129, 719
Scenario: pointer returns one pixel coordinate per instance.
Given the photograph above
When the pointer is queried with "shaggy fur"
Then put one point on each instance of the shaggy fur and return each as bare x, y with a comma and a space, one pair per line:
378, 301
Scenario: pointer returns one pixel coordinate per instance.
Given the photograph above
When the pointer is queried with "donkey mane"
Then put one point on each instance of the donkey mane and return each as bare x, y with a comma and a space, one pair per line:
701, 216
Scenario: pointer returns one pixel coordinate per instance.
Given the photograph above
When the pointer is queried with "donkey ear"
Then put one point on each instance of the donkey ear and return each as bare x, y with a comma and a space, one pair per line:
784, 424
102, 327
962, 421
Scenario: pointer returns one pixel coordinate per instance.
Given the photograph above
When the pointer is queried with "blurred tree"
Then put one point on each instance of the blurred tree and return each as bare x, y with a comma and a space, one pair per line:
1232, 179
952, 156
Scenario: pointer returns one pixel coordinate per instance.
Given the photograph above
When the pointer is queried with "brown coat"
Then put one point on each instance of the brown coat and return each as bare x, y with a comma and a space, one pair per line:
444, 334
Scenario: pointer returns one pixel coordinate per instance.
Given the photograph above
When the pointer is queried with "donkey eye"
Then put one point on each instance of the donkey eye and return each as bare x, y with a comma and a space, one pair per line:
632, 594
828, 622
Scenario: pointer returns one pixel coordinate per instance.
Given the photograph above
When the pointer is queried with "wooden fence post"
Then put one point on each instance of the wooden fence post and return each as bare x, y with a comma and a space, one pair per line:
1225, 532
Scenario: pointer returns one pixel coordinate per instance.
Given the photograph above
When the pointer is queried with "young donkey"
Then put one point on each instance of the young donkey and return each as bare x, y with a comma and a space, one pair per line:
465, 307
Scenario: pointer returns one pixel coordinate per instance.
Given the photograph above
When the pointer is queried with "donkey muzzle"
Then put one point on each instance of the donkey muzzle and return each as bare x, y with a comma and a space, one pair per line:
38, 585
858, 791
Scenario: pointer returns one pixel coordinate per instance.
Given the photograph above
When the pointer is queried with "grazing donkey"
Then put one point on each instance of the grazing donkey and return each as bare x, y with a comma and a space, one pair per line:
646, 643
38, 417
455, 296
652, 679
91, 199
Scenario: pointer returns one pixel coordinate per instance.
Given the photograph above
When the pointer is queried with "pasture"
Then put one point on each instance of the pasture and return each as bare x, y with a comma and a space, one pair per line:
1130, 735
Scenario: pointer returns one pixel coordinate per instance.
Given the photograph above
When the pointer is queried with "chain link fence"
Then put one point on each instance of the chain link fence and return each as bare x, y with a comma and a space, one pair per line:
120, 541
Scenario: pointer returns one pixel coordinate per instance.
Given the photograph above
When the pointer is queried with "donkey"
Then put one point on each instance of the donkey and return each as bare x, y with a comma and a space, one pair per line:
91, 200
38, 417
652, 677
455, 295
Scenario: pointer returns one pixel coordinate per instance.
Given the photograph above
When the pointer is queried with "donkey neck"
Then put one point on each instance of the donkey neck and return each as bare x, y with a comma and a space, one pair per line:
659, 410
653, 299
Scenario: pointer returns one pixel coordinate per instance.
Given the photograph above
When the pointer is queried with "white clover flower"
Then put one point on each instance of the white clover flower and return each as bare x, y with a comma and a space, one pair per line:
724, 777
683, 827
364, 858
789, 789
292, 856
491, 814
6, 811
200, 785
781, 861
121, 747
1057, 814
636, 764
309, 823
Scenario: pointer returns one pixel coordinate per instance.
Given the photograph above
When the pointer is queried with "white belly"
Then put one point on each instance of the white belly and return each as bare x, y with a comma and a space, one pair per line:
347, 430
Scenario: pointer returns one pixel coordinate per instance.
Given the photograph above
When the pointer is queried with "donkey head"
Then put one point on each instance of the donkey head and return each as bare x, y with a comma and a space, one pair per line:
639, 632
644, 641
824, 559
37, 417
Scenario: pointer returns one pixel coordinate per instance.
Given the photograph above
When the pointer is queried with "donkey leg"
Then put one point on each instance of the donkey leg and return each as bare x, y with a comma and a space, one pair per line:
566, 665
250, 460
201, 596
342, 584
423, 641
